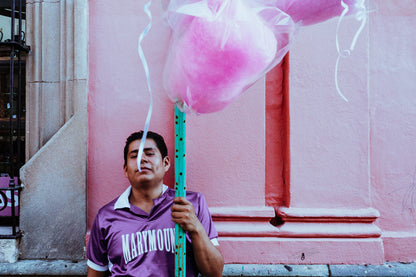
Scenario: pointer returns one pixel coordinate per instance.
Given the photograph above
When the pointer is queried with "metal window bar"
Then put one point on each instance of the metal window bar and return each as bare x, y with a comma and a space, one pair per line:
16, 45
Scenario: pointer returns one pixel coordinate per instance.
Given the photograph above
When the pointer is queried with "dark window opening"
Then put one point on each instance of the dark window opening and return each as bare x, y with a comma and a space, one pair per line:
12, 112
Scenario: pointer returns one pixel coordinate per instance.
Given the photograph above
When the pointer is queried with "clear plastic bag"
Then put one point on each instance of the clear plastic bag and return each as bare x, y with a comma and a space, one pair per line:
308, 12
219, 48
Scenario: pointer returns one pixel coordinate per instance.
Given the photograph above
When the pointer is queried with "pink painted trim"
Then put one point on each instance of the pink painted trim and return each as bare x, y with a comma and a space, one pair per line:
327, 215
328, 230
242, 213
301, 251
277, 135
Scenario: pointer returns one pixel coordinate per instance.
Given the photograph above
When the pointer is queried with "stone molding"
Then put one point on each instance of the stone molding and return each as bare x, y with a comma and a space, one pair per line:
62, 267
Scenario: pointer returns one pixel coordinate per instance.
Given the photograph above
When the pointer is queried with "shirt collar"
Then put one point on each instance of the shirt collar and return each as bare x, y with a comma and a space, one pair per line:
123, 200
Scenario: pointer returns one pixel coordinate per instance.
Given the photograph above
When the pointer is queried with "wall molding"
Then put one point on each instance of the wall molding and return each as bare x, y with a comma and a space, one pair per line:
296, 222
328, 223
243, 221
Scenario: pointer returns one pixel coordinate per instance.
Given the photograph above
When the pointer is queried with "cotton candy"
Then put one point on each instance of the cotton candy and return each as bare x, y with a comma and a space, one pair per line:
223, 50
308, 12
221, 47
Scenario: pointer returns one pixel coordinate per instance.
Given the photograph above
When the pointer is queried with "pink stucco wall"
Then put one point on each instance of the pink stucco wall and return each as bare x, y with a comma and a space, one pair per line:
360, 154
118, 99
392, 91
118, 102
340, 175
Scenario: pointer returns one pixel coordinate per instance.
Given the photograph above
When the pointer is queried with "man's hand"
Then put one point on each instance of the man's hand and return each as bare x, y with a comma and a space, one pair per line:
208, 257
183, 213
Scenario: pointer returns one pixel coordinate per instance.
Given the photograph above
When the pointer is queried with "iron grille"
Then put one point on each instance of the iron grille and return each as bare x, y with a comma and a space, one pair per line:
12, 112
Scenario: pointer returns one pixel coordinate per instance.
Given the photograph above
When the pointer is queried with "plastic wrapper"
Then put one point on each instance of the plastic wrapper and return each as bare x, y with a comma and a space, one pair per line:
219, 48
308, 12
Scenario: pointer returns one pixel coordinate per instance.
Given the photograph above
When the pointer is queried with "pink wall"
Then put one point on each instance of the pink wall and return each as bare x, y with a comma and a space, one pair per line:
392, 112
118, 102
118, 99
348, 195
329, 137
346, 157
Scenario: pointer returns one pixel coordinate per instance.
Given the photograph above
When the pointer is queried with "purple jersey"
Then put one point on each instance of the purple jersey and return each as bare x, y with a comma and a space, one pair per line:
129, 242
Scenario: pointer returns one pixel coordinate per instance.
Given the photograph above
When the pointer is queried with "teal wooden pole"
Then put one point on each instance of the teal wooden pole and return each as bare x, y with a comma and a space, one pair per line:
180, 189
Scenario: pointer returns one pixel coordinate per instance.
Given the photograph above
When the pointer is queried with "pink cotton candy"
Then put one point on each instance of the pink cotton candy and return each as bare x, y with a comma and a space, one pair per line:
221, 47
218, 56
308, 12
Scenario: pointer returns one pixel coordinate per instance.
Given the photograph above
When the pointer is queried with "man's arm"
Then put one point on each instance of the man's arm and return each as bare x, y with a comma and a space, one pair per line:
208, 257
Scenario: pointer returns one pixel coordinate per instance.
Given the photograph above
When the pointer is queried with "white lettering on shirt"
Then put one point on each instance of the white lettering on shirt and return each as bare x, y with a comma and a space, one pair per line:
172, 239
139, 243
166, 235
133, 247
126, 248
160, 240
151, 240
144, 233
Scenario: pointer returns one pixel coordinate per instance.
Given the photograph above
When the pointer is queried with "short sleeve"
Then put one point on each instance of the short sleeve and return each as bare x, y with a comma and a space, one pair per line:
205, 218
97, 247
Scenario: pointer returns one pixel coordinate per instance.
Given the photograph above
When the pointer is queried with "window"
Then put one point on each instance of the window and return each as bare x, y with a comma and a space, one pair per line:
12, 112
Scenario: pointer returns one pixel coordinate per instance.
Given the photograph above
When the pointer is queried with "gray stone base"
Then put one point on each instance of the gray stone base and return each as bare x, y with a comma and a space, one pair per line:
74, 268
8, 250
44, 268
387, 269
384, 270
275, 270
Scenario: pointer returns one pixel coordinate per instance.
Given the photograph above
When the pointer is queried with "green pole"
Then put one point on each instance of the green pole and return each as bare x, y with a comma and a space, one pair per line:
180, 189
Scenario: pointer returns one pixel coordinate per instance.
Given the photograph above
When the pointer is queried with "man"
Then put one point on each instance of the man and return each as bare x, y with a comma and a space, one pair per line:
133, 235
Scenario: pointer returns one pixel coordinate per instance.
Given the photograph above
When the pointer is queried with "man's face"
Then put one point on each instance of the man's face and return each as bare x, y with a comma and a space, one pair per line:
153, 166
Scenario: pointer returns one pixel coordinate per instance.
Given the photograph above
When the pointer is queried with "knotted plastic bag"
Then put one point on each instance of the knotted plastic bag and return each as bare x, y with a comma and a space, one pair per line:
308, 12
219, 48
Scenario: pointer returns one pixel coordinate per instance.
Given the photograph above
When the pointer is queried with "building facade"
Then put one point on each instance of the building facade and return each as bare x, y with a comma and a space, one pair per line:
292, 173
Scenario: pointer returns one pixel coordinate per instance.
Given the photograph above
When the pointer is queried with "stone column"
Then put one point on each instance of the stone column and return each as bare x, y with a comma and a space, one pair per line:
53, 201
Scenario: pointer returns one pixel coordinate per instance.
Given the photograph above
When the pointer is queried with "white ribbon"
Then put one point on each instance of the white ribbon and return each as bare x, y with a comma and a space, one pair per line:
146, 70
361, 16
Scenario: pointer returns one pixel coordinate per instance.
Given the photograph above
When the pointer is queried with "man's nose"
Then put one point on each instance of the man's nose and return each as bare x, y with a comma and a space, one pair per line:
144, 159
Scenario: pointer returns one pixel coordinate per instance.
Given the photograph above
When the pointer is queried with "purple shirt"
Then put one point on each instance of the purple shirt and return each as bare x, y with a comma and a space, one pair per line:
129, 242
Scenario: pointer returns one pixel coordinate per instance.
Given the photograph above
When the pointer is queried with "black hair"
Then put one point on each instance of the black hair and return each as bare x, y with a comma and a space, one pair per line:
158, 139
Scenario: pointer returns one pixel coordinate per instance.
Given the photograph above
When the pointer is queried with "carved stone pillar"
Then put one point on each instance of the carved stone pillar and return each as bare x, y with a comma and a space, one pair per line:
53, 201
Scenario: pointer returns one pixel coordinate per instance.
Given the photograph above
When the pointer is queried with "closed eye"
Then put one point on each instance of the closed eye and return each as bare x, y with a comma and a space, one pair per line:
133, 154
